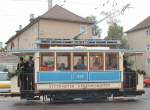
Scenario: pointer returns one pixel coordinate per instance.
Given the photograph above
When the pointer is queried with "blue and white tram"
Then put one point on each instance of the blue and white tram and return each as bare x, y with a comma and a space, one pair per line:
85, 72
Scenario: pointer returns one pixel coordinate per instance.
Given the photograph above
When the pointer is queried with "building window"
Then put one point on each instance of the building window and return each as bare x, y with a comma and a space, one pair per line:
148, 33
148, 61
148, 47
82, 29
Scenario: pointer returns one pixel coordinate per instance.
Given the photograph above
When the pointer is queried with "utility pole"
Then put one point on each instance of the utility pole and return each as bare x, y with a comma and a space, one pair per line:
50, 4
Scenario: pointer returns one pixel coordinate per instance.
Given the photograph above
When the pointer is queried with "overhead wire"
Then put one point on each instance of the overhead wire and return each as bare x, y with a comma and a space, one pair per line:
114, 14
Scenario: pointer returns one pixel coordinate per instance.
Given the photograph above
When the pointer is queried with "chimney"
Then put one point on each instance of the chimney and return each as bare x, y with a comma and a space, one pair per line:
50, 4
31, 17
20, 28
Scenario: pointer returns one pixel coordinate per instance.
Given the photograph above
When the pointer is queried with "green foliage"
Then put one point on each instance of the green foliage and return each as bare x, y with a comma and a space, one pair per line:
96, 31
142, 72
116, 32
130, 63
2, 50
124, 43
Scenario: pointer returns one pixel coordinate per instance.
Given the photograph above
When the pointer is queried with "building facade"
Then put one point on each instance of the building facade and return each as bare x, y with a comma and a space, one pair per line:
139, 38
56, 23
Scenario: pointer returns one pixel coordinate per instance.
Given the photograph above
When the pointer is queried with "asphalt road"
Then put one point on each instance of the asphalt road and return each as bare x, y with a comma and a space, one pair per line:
138, 103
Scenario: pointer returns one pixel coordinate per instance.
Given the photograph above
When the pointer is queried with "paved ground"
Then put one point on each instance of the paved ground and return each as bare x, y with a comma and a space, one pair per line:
138, 103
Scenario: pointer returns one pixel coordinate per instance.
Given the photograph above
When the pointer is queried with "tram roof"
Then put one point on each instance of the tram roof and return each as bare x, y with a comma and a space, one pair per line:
78, 49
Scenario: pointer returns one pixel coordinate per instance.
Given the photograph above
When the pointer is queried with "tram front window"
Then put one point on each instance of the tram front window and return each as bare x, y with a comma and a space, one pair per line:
112, 61
96, 61
47, 62
63, 61
80, 61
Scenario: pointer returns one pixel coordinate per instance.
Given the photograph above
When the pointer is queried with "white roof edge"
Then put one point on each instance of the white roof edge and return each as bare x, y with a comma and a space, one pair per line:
78, 49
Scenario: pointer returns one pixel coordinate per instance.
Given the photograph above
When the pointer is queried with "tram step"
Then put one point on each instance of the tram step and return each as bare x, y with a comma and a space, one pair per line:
33, 98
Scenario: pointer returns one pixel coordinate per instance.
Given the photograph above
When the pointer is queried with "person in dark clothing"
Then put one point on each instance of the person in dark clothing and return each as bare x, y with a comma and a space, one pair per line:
129, 76
21, 69
21, 65
80, 65
30, 65
30, 71
125, 64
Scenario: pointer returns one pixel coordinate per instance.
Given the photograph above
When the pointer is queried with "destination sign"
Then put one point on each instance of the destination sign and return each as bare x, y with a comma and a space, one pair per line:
79, 86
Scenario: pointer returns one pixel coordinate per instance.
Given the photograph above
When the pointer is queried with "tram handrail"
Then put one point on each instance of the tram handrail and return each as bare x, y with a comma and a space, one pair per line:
77, 42
131, 79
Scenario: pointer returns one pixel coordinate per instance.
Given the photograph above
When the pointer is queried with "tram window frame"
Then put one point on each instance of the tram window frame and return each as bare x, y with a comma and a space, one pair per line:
75, 62
117, 61
47, 68
66, 66
93, 58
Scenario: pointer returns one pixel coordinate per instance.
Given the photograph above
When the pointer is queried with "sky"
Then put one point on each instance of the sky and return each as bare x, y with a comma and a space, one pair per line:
16, 12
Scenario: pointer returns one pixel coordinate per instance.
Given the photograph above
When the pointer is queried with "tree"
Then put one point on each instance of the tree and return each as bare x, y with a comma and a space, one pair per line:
96, 31
3, 49
124, 43
115, 32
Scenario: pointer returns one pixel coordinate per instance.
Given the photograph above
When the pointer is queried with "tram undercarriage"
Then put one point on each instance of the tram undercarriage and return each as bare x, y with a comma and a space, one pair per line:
89, 94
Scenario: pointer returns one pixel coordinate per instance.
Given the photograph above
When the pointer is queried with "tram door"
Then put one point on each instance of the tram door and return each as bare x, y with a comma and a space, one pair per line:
130, 77
130, 80
27, 81
26, 85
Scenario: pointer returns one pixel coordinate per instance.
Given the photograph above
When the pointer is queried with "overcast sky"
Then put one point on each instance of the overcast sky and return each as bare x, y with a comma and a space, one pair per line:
16, 12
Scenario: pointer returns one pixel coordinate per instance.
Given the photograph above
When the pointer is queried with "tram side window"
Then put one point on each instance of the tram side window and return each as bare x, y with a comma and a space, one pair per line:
63, 61
47, 62
80, 61
112, 61
96, 61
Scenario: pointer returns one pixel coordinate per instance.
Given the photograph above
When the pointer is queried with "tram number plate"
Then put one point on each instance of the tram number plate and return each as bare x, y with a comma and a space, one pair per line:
80, 76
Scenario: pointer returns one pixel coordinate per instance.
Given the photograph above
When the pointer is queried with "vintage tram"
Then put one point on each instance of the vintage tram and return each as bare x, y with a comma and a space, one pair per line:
77, 71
